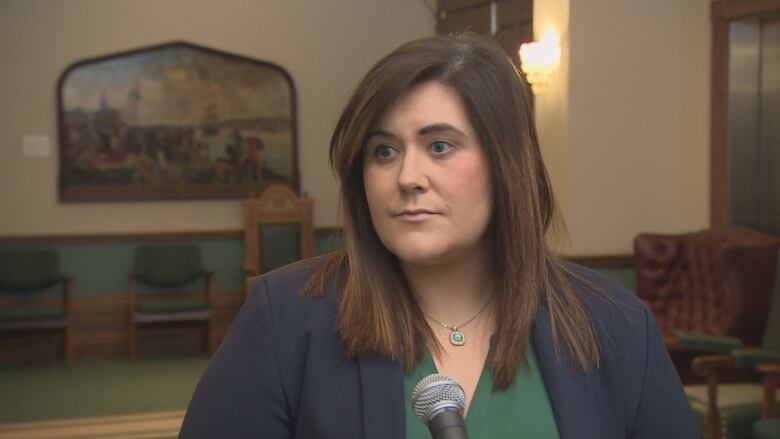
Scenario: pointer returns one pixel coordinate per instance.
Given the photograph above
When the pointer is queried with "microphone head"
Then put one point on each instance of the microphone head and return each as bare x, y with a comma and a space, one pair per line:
436, 393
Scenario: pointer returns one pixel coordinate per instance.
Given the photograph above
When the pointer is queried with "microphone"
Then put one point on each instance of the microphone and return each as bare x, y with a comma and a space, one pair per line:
438, 401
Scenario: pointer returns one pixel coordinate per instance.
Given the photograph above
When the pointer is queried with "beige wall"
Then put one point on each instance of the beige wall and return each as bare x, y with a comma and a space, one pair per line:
325, 45
624, 129
552, 113
626, 136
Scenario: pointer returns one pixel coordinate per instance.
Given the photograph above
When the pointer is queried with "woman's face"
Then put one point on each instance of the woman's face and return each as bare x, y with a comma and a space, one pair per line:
426, 178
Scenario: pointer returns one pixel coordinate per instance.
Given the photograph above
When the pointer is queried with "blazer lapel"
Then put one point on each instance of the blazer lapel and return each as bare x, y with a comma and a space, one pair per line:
382, 389
570, 389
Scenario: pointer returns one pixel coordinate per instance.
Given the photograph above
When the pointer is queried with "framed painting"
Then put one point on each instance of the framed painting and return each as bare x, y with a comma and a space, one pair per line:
175, 121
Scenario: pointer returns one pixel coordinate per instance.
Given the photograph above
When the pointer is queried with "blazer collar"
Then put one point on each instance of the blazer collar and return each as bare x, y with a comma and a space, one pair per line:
571, 390
382, 388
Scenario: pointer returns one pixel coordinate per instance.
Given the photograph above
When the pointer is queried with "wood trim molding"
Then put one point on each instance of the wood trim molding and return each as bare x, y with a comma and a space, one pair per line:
323, 232
114, 238
736, 9
719, 119
603, 261
600, 261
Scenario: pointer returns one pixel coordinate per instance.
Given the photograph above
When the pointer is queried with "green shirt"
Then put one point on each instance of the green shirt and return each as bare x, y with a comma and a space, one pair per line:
522, 410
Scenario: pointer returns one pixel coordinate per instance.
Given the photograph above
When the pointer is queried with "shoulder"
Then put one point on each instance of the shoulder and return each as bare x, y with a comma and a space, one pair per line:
635, 369
288, 284
613, 288
623, 325
611, 305
254, 381
292, 276
281, 291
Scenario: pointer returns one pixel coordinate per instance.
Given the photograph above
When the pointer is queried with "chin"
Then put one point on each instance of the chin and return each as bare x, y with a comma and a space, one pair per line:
421, 261
422, 255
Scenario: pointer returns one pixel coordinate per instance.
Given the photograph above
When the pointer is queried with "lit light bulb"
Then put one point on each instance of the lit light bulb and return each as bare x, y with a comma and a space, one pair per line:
540, 59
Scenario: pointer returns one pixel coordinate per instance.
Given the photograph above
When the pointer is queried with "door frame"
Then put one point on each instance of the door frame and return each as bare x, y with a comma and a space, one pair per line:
723, 12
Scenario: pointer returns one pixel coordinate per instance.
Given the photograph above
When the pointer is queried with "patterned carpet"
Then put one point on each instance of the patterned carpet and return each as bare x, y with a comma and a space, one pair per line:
156, 425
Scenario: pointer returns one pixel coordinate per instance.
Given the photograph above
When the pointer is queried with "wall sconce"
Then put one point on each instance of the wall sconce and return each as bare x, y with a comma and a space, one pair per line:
539, 60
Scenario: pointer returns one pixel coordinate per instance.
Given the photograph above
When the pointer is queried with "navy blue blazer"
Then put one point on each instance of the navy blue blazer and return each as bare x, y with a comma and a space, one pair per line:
282, 372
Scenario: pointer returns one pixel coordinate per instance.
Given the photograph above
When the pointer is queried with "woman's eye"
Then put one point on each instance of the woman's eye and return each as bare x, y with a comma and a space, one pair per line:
440, 147
385, 152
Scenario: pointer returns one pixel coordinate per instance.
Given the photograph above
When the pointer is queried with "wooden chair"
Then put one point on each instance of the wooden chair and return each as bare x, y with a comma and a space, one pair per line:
278, 229
729, 410
170, 268
25, 275
768, 427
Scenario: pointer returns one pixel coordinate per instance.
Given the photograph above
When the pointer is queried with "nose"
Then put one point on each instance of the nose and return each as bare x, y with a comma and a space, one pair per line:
413, 175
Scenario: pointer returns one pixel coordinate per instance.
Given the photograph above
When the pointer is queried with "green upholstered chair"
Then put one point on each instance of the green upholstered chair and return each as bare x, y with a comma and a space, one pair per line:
25, 276
278, 229
168, 269
730, 410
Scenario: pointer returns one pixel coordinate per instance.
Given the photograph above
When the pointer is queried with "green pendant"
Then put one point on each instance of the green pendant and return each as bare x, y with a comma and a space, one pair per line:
457, 338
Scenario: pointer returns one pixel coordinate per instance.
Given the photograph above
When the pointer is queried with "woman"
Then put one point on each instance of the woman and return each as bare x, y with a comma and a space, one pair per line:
445, 205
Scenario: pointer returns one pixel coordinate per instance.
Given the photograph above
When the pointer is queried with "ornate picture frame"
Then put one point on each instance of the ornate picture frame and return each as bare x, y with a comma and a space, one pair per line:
175, 121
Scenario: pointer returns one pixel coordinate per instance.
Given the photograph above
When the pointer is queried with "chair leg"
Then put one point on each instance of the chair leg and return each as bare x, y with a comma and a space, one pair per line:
133, 336
70, 344
70, 348
132, 332
713, 416
212, 342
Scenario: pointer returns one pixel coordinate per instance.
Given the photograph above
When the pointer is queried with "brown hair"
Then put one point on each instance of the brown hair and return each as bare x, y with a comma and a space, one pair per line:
377, 313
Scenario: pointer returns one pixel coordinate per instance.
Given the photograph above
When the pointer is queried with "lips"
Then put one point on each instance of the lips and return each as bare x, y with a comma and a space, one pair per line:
416, 215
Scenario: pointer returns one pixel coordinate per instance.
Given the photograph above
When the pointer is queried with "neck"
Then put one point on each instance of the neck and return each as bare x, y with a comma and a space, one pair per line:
453, 292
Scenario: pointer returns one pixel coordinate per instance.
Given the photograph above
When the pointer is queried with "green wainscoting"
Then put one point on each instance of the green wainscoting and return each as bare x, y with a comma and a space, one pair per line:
624, 275
102, 268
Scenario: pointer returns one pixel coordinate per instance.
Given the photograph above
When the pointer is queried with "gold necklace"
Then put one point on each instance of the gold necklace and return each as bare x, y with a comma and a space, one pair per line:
457, 337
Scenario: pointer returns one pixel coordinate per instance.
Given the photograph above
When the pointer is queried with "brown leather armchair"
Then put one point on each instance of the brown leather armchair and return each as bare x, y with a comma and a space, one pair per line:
717, 281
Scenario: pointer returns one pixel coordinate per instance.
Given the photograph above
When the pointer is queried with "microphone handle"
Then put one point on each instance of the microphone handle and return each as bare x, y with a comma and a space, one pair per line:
448, 424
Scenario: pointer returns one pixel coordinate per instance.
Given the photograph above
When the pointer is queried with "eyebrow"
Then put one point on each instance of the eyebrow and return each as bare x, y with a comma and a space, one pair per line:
382, 133
438, 128
434, 128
